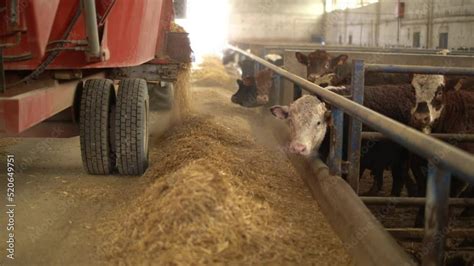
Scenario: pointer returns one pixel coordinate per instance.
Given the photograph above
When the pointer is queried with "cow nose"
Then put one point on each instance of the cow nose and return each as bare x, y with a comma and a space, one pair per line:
422, 118
297, 147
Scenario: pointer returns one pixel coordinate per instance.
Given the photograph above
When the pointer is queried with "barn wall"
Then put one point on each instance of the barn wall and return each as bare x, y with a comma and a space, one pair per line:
274, 20
372, 25
377, 25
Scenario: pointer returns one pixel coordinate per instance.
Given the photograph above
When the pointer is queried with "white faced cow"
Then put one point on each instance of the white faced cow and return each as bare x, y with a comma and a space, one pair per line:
308, 119
429, 91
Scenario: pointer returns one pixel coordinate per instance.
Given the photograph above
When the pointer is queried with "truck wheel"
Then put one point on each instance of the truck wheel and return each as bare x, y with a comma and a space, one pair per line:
161, 97
97, 103
131, 127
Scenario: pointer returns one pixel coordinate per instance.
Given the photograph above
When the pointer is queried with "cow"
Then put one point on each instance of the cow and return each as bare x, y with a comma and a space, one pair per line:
308, 119
246, 95
254, 91
440, 110
326, 70
264, 83
229, 56
394, 101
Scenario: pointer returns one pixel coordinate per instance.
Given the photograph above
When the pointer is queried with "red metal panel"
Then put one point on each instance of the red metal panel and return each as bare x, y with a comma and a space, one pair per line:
49, 130
25, 110
22, 110
37, 18
166, 17
130, 36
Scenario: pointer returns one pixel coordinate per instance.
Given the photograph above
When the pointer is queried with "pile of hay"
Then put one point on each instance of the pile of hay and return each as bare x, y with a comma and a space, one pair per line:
176, 28
216, 197
211, 73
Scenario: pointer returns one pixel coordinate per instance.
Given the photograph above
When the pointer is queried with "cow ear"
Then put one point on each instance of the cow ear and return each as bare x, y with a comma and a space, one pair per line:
279, 111
303, 59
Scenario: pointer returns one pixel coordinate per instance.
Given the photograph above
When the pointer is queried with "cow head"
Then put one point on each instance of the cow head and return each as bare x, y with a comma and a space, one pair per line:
307, 118
429, 90
247, 92
319, 64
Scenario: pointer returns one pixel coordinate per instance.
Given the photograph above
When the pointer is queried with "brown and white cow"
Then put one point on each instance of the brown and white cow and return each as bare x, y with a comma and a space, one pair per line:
254, 91
440, 110
321, 67
324, 70
439, 102
429, 91
307, 119
264, 83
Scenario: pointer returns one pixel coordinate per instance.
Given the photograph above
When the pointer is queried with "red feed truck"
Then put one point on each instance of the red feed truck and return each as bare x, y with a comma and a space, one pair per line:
88, 68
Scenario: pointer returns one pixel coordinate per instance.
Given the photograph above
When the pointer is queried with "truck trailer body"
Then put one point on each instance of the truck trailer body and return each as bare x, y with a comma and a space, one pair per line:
60, 60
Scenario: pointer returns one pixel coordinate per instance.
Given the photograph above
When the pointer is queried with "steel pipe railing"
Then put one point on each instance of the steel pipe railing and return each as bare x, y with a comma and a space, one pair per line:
419, 69
404, 201
313, 46
458, 138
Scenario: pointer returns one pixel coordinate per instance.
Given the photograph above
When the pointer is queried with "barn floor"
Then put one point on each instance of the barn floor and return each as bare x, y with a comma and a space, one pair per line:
219, 190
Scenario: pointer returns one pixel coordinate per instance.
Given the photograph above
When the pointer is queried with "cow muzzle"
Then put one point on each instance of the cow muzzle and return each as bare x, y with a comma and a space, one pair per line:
299, 148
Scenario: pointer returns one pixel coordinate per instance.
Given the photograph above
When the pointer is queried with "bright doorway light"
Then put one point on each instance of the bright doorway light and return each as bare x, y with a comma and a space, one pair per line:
207, 24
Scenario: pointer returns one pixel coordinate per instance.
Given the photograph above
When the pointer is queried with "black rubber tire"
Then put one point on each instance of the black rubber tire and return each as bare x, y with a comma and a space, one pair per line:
131, 127
97, 103
161, 97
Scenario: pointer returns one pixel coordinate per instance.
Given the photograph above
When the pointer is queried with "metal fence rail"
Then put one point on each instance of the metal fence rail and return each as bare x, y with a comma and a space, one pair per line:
306, 46
445, 137
444, 159
419, 69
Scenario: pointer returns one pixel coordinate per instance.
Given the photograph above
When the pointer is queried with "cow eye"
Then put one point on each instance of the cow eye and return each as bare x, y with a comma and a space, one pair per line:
439, 95
319, 123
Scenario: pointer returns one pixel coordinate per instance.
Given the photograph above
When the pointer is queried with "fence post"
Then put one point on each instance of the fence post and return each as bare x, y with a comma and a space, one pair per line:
297, 92
436, 216
335, 150
355, 126
256, 68
277, 87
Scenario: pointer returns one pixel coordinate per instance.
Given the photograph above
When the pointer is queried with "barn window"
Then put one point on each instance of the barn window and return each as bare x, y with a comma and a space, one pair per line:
350, 39
340, 39
443, 40
416, 39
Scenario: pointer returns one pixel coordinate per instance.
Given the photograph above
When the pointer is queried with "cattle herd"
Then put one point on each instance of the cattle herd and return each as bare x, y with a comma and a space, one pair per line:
429, 103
